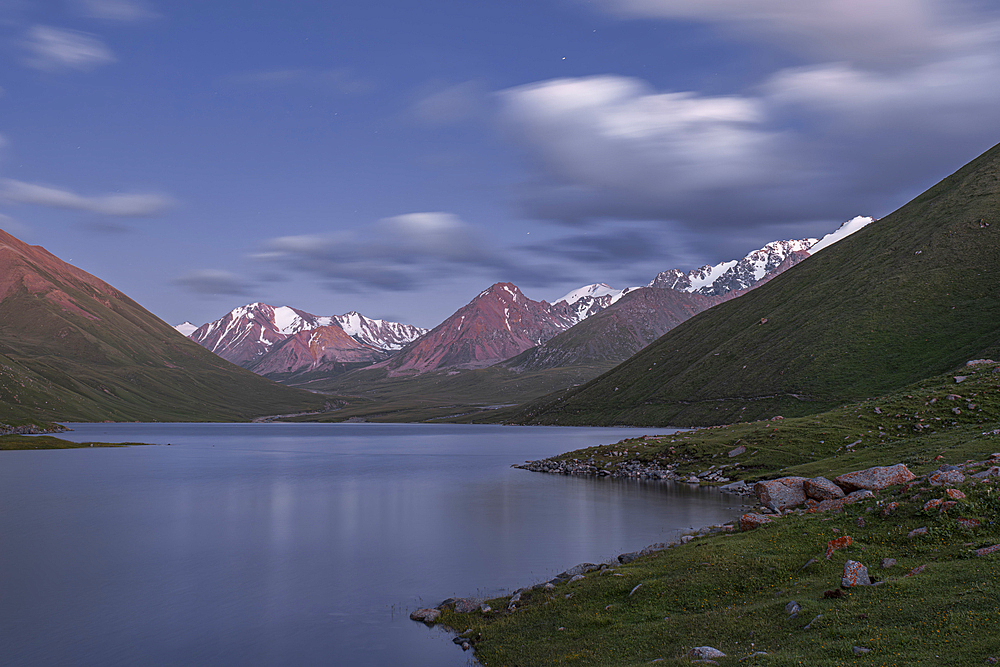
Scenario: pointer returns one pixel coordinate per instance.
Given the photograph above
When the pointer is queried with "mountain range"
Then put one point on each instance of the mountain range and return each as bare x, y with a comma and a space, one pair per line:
594, 323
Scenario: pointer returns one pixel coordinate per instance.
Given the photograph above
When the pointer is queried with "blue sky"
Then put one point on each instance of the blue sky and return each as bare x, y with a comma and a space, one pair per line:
396, 158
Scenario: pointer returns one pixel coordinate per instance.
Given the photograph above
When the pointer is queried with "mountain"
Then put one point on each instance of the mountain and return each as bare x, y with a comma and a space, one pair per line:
496, 325
616, 333
912, 295
186, 328
323, 349
247, 334
74, 348
590, 299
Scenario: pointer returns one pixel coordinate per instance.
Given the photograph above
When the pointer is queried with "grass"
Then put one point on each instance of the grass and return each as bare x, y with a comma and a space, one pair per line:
12, 442
906, 298
729, 590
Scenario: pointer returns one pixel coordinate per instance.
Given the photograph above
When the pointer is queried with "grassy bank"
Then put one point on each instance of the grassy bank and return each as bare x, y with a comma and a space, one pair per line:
9, 442
729, 591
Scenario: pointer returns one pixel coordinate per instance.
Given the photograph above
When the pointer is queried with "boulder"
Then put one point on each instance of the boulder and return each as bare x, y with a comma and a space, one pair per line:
839, 543
875, 478
946, 478
752, 520
425, 615
779, 494
705, 653
737, 451
986, 551
955, 494
820, 488
855, 574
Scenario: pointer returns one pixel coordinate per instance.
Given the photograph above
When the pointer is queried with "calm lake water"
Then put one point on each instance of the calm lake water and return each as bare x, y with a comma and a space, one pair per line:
298, 544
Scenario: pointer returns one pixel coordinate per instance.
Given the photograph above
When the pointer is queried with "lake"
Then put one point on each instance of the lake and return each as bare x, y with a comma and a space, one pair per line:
298, 544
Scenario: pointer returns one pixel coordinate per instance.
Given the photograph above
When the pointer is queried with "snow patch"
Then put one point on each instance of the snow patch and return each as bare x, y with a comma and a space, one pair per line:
186, 328
845, 230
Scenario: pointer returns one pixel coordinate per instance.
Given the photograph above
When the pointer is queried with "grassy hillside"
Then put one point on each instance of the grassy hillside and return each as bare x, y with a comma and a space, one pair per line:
73, 348
909, 296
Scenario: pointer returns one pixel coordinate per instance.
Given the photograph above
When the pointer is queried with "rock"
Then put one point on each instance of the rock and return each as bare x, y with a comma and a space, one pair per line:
889, 508
860, 650
968, 523
737, 451
548, 586
855, 574
693, 479
917, 531
809, 624
752, 520
779, 494
578, 577
792, 607
917, 570
425, 615
582, 568
993, 471
820, 488
839, 543
705, 653
955, 494
855, 496
860, 522
888, 562
741, 487
632, 592
933, 503
946, 478
947, 505
875, 478
961, 378
485, 608
986, 551
467, 605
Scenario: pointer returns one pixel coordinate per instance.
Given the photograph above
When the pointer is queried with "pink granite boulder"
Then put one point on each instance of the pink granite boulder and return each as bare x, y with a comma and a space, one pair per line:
779, 494
752, 520
875, 479
946, 478
820, 488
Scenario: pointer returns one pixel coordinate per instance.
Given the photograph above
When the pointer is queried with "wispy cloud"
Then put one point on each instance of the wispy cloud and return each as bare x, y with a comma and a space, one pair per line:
401, 253
117, 10
339, 80
214, 282
124, 205
58, 50
445, 105
13, 227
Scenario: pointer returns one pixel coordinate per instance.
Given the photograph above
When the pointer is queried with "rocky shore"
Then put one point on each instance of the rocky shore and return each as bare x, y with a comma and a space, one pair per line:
31, 429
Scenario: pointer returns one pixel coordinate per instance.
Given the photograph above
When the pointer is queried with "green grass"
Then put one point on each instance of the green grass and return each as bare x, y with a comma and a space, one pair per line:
729, 591
11, 442
910, 296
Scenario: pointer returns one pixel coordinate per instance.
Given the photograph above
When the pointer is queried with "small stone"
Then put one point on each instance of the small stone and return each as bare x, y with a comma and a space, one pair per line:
933, 503
917, 570
968, 523
855, 574
809, 624
792, 607
737, 451
961, 378
548, 586
986, 551
705, 653
917, 531
888, 562
632, 592
955, 494
839, 543
860, 650
947, 505
578, 577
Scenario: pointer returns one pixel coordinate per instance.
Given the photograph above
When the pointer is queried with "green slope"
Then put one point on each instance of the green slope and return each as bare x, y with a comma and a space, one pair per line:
73, 348
911, 295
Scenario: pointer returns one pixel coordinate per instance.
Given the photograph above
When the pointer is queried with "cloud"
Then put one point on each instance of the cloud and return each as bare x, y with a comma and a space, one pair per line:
811, 143
57, 50
401, 253
340, 80
213, 282
886, 32
609, 247
117, 10
451, 104
13, 227
125, 205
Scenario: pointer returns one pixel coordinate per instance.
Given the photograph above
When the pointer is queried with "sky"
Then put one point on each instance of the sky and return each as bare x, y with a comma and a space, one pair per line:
396, 158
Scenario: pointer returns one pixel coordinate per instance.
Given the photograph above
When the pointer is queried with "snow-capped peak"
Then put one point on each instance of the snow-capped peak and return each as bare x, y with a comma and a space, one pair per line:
595, 290
845, 230
186, 328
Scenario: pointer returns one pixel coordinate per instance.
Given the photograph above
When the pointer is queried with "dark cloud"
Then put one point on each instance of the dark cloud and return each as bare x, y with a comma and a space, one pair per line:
214, 282
401, 253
